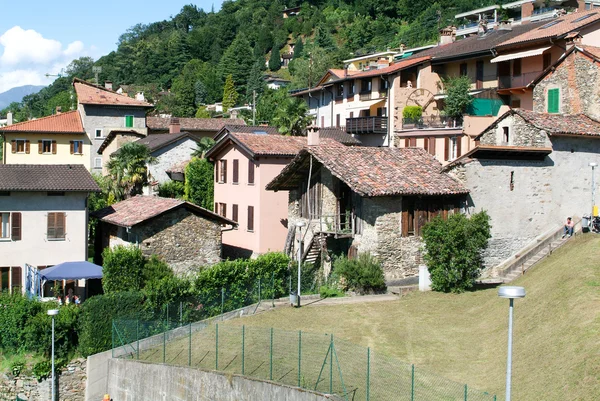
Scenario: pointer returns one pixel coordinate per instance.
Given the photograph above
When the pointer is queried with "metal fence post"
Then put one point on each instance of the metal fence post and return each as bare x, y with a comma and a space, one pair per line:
331, 365
137, 336
412, 384
299, 358
466, 392
190, 346
243, 349
273, 289
112, 332
368, 374
165, 345
259, 294
180, 313
167, 307
217, 346
222, 301
271, 358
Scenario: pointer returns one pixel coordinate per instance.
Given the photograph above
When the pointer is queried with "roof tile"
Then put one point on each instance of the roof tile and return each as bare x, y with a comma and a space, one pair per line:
193, 124
88, 93
46, 177
561, 124
63, 123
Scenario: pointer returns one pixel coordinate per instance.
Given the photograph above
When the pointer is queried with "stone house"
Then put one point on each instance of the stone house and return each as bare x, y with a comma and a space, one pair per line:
198, 127
43, 218
530, 172
102, 111
182, 234
366, 199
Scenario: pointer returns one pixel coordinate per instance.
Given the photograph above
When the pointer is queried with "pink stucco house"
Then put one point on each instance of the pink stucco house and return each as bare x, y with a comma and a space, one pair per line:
246, 159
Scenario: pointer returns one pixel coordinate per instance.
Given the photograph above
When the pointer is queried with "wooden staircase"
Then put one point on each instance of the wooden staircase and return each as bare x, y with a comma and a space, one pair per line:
540, 255
312, 253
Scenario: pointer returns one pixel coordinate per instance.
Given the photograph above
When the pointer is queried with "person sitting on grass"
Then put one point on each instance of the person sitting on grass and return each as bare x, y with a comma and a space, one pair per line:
568, 229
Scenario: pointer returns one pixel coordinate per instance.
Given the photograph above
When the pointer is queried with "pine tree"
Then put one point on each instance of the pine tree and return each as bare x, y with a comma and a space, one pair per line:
230, 96
275, 60
298, 48
237, 61
256, 81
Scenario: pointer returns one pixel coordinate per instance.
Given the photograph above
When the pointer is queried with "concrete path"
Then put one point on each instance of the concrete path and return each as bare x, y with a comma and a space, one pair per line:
351, 300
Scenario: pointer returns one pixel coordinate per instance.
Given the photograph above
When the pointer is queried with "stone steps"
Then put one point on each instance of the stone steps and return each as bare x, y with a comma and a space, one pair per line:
542, 254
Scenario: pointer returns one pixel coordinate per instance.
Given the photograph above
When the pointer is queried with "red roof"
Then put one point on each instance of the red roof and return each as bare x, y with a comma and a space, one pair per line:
88, 93
63, 123
138, 209
397, 66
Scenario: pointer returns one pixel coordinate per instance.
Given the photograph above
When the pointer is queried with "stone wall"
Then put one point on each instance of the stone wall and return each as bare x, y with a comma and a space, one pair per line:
168, 156
183, 239
521, 133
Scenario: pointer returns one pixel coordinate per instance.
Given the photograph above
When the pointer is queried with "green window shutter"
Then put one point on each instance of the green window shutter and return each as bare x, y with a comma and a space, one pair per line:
553, 100
129, 121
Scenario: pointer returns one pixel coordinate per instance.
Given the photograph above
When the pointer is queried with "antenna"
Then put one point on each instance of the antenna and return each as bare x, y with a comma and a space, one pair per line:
96, 71
253, 107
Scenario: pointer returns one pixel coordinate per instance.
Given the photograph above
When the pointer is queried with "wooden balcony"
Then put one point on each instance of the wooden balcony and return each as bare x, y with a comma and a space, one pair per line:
367, 125
518, 81
365, 96
341, 225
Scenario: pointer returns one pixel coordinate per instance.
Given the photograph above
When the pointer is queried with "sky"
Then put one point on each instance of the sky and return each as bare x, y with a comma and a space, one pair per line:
42, 37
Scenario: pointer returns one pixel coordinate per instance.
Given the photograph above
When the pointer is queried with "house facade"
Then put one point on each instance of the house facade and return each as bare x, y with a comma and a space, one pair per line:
366, 200
43, 217
187, 237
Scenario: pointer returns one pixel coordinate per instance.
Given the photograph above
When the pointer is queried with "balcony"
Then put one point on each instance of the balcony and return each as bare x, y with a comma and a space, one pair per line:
519, 81
367, 125
427, 122
341, 225
365, 96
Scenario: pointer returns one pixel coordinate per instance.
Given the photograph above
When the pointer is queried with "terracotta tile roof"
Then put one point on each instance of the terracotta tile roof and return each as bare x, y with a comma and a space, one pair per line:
112, 135
397, 66
270, 145
88, 93
556, 28
178, 167
138, 209
193, 124
46, 177
592, 50
500, 152
371, 171
158, 141
63, 123
339, 135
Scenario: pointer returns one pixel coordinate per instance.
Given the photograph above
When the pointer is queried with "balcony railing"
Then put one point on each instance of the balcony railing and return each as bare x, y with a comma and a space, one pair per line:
365, 96
367, 125
343, 224
519, 81
427, 122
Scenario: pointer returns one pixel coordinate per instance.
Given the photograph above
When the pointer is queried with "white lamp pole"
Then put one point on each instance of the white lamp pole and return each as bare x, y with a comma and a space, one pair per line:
593, 166
299, 225
511, 293
53, 312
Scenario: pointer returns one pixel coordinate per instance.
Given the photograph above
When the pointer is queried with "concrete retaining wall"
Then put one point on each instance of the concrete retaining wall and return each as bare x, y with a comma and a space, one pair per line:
135, 380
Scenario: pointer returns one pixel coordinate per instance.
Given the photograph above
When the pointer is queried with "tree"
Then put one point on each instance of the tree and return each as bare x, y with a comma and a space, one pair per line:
268, 102
230, 95
237, 61
202, 112
275, 59
299, 48
458, 98
203, 146
199, 183
292, 117
128, 170
122, 269
453, 250
256, 81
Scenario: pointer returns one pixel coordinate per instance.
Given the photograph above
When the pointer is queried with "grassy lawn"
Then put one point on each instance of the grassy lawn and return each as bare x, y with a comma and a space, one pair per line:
459, 337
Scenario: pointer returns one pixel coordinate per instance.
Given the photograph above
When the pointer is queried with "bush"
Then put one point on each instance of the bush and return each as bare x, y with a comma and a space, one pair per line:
123, 269
155, 269
454, 249
199, 183
330, 292
97, 314
412, 113
458, 98
38, 335
15, 311
42, 370
363, 275
171, 189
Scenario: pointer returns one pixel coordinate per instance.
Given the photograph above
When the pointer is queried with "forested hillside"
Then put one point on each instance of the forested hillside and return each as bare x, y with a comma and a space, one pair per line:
182, 63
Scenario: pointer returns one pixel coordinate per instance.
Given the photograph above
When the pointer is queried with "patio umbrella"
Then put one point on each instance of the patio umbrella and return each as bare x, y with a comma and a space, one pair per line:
72, 271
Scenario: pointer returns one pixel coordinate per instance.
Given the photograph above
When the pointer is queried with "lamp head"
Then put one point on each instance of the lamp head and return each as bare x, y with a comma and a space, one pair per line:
593, 164
509, 291
52, 312
300, 224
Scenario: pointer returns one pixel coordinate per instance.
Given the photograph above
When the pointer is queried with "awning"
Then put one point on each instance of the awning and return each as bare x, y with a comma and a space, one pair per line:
72, 271
364, 105
513, 56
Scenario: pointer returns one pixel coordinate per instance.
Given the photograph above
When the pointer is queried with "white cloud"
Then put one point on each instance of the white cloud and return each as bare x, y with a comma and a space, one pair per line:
27, 46
74, 49
15, 78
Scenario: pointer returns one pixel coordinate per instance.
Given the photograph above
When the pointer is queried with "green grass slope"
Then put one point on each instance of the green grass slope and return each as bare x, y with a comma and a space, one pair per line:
463, 337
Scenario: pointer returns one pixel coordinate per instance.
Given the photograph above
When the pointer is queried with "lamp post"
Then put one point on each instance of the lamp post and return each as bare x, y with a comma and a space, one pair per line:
593, 165
299, 225
53, 312
511, 293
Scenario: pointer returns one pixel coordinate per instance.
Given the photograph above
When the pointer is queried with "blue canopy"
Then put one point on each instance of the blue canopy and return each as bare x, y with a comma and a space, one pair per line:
72, 271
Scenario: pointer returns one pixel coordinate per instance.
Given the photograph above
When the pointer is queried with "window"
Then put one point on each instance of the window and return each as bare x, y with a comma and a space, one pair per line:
250, 218
365, 85
515, 103
351, 90
98, 133
416, 212
547, 60
223, 209
56, 226
337, 120
340, 90
463, 69
10, 226
20, 146
129, 121
553, 100
383, 86
46, 146
512, 180
505, 135
234, 213
408, 217
98, 162
250, 172
517, 67
76, 147
452, 148
222, 171
236, 171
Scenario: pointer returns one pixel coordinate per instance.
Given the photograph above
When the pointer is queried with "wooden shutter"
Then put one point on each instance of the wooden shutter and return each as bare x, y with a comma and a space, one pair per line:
56, 225
236, 171
27, 146
413, 142
224, 172
250, 172
426, 144
51, 233
216, 208
553, 100
40, 147
17, 276
13, 145
406, 143
72, 147
224, 209
432, 145
446, 148
53, 147
458, 143
217, 171
250, 218
16, 226
234, 213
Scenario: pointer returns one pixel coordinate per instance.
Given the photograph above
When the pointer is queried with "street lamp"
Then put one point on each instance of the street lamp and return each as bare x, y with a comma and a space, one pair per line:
299, 225
53, 312
593, 165
511, 293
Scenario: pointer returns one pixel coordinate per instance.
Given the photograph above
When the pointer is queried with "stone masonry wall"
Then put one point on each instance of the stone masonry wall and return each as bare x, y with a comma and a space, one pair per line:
168, 156
520, 133
184, 240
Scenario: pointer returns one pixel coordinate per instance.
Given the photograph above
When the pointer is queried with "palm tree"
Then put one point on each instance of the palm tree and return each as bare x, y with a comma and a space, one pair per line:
203, 146
128, 170
292, 117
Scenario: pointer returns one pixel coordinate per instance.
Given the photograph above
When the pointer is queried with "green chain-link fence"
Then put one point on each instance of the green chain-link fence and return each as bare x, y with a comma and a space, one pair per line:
313, 361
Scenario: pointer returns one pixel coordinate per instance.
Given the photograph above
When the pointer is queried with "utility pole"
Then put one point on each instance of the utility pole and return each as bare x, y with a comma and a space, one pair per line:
97, 71
254, 107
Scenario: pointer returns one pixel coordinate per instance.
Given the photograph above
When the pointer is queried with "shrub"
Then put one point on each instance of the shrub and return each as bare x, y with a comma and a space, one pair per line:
412, 113
167, 290
15, 311
454, 250
327, 291
458, 98
171, 189
38, 335
123, 269
97, 314
199, 183
363, 275
155, 269
42, 370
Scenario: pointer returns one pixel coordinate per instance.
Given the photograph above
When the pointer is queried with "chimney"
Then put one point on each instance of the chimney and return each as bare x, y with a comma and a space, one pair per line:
505, 25
140, 96
447, 35
314, 138
526, 12
174, 126
9, 118
382, 63
572, 39
581, 6
58, 109
108, 85
482, 28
